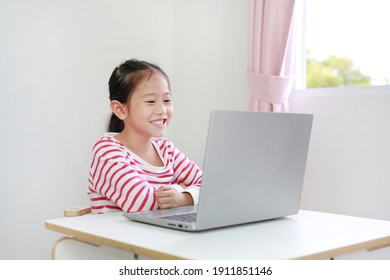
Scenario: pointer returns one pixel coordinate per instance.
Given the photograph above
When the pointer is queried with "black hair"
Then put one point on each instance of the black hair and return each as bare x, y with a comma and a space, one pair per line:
123, 81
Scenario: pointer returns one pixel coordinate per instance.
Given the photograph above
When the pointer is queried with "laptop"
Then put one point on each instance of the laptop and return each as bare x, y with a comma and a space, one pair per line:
253, 170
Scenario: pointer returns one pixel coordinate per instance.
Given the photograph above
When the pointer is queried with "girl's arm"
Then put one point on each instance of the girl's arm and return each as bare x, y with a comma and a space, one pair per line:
113, 178
187, 174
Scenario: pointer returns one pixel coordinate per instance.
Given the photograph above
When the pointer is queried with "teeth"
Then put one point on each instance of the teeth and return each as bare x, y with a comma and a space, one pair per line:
158, 123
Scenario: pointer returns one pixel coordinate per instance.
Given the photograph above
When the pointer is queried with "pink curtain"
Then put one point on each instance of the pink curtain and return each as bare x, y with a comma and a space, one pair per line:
271, 54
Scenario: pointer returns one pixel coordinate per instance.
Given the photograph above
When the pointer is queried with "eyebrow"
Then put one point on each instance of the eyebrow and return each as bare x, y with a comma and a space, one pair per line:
154, 94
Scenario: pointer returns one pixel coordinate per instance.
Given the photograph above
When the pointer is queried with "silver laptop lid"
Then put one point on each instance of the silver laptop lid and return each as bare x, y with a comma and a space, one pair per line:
253, 168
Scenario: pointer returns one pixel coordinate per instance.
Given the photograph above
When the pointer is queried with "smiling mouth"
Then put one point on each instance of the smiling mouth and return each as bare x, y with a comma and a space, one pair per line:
159, 123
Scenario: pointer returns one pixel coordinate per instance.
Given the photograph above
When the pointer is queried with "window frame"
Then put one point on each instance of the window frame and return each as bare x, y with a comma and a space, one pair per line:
300, 66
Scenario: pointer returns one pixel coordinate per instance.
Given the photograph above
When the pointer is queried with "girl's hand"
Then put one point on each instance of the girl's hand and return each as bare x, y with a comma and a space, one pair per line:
167, 197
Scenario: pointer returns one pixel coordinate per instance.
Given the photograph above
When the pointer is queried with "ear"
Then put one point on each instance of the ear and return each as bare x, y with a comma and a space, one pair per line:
119, 109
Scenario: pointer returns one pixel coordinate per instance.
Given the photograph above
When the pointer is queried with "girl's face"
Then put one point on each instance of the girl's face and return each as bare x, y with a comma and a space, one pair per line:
150, 107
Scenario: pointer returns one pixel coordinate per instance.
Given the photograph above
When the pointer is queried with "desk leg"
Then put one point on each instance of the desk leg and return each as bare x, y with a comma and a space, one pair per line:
68, 248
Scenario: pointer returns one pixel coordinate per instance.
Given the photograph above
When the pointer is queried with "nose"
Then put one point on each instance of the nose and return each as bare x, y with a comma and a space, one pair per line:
160, 108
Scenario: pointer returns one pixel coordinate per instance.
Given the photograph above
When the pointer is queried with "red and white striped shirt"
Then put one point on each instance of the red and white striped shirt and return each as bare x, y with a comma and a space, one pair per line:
120, 180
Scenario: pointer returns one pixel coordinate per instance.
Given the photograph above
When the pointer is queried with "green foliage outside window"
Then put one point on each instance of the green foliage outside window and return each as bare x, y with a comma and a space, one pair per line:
333, 72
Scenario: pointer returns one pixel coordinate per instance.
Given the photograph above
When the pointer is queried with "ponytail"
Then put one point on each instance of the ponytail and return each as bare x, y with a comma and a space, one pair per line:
115, 124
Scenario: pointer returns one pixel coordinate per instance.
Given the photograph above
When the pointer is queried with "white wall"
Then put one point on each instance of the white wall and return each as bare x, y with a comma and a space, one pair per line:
55, 61
210, 61
348, 169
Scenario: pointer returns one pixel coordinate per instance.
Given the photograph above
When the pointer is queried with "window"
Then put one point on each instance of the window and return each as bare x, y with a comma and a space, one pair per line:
345, 43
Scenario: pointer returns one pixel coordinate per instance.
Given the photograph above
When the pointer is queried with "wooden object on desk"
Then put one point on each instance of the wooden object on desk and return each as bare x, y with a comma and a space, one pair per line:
77, 211
307, 235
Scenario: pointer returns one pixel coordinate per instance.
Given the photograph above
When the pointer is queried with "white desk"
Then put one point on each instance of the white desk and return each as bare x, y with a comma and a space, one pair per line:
307, 235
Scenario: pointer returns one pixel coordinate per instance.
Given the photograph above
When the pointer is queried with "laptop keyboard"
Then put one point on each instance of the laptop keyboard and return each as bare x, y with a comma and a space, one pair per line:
185, 217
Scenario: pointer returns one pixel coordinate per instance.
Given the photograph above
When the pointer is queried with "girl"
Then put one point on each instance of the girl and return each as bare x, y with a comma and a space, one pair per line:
136, 169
